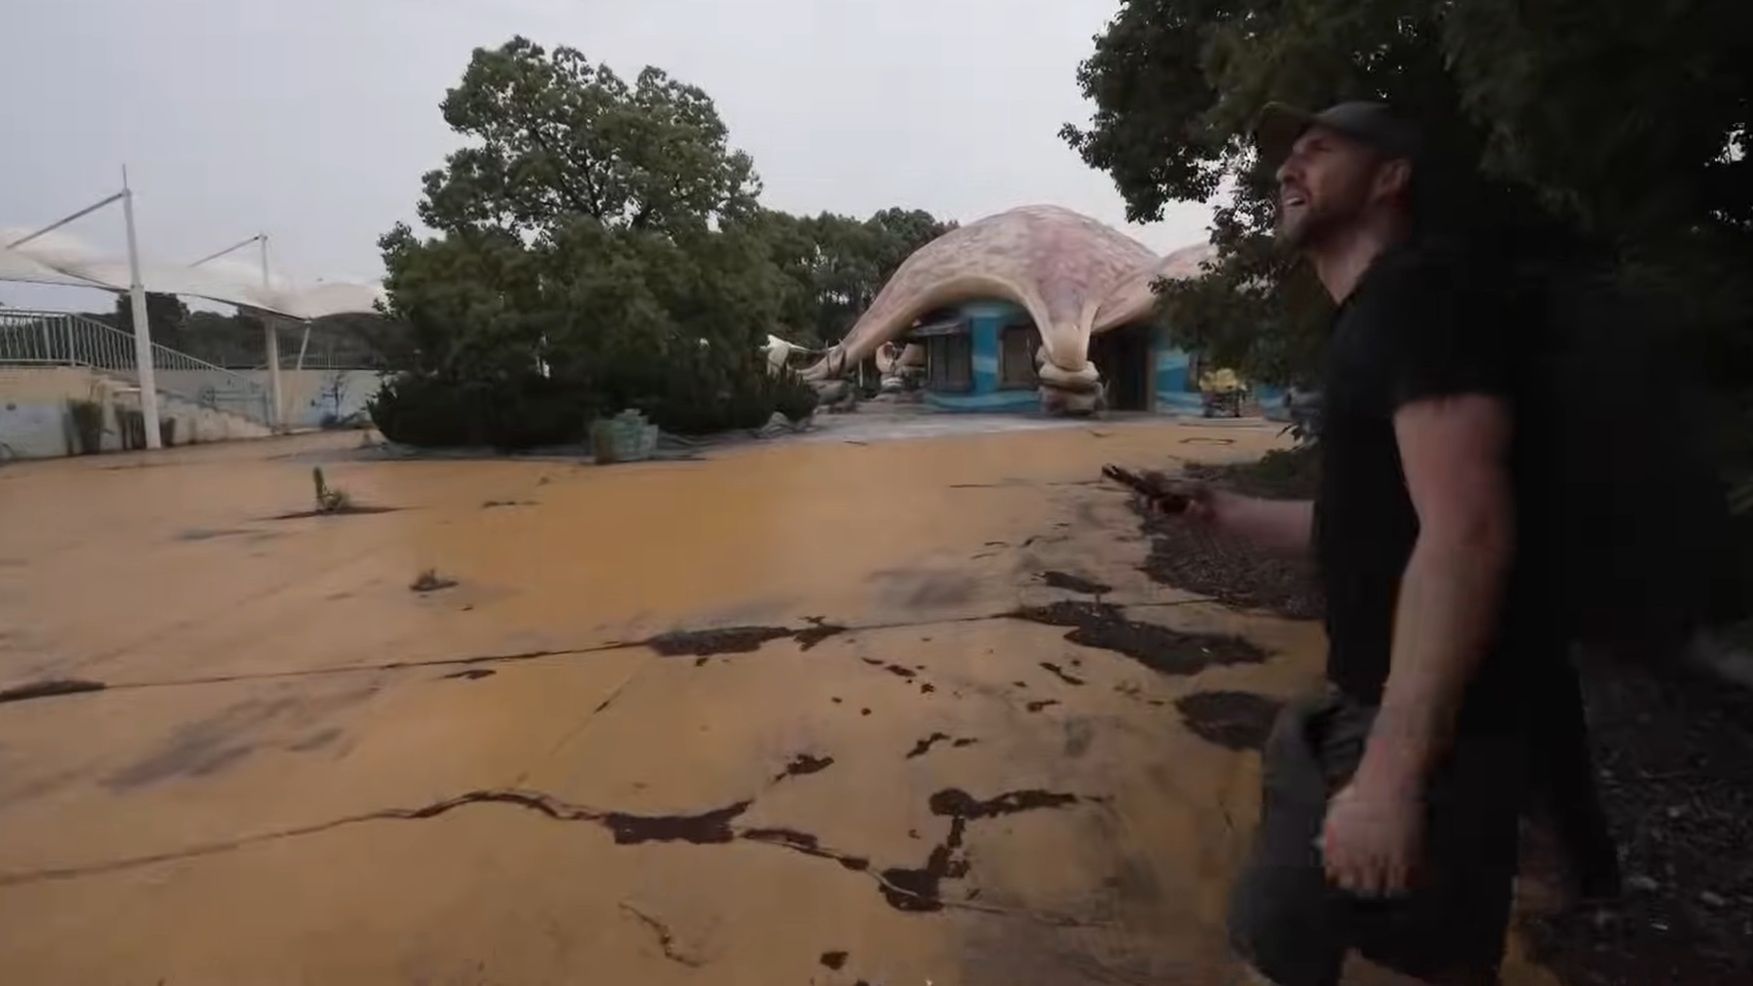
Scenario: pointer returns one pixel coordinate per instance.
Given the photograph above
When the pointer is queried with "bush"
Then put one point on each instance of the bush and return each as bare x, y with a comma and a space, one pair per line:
793, 396
87, 425
509, 412
694, 393
700, 395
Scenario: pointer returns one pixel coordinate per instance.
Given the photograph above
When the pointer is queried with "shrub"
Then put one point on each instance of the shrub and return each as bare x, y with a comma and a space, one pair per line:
701, 395
793, 396
508, 412
87, 425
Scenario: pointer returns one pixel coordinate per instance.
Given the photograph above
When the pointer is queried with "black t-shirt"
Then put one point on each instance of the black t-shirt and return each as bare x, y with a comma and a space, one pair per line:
1415, 328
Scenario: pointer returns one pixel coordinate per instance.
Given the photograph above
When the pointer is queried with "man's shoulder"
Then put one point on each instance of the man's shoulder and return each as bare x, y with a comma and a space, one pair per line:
1425, 277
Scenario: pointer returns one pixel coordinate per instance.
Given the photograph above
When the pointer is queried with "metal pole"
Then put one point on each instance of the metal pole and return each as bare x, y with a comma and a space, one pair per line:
21, 241
272, 331
142, 331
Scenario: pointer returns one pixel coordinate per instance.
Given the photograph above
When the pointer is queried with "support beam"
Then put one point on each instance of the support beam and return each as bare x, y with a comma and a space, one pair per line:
276, 412
142, 331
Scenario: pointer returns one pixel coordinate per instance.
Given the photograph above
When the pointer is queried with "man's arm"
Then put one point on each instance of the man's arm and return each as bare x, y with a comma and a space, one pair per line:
1282, 525
1454, 452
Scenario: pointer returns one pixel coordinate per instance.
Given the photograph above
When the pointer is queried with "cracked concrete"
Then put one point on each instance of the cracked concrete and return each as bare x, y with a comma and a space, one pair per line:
295, 771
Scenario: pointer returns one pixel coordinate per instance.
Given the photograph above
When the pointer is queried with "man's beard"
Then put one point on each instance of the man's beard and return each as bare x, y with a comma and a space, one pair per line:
1307, 227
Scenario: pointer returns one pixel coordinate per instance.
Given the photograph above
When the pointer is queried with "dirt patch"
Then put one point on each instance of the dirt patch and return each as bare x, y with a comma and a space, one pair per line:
833, 960
1156, 647
1233, 720
1235, 572
1040, 704
1075, 583
1674, 759
49, 689
1189, 556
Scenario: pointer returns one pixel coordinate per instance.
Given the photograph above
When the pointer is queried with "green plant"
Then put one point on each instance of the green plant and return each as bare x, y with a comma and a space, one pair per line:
329, 501
87, 425
507, 411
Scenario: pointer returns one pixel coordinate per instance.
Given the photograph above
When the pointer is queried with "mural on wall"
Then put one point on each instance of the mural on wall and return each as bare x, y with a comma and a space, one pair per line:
1071, 276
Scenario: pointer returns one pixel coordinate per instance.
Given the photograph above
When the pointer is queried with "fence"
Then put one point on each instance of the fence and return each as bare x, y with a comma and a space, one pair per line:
30, 338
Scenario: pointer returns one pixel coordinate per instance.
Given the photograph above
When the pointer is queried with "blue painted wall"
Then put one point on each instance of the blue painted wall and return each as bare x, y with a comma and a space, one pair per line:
1174, 369
986, 320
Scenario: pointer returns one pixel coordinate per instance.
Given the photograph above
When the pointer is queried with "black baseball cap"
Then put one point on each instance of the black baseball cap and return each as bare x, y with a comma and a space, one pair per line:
1374, 124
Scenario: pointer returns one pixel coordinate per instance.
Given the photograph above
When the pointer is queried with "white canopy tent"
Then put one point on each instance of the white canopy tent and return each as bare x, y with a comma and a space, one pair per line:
45, 257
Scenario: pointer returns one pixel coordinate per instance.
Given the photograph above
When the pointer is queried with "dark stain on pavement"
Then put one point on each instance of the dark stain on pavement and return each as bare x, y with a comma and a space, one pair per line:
819, 629
1040, 704
804, 764
724, 640
209, 533
702, 829
833, 960
472, 674
1059, 673
49, 689
1159, 648
1233, 720
315, 741
1075, 583
1078, 736
740, 640
924, 746
921, 888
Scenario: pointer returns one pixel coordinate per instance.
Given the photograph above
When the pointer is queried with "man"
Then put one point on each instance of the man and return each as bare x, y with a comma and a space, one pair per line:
1389, 819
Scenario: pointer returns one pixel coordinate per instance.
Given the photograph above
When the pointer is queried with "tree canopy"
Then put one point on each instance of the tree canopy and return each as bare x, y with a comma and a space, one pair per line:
1599, 128
559, 138
604, 237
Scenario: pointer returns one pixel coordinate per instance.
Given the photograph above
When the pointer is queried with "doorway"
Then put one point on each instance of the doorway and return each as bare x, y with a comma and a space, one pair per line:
1123, 355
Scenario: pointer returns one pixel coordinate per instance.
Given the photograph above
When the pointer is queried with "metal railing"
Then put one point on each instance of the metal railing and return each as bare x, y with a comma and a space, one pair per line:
34, 338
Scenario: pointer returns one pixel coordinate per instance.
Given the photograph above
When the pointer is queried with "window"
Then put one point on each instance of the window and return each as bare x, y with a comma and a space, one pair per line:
1016, 357
949, 362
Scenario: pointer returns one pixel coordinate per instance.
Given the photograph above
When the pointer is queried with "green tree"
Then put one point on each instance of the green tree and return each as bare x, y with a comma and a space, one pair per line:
165, 314
599, 246
560, 138
1596, 128
833, 265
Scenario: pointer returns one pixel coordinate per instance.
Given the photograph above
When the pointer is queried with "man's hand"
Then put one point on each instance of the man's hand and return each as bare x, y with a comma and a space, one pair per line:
1372, 840
1194, 500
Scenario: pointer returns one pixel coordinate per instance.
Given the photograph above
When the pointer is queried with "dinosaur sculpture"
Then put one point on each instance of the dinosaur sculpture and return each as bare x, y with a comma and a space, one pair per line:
1074, 276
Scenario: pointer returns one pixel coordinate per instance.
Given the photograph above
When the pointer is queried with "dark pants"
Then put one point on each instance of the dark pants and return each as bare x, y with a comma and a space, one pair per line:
1562, 795
1295, 927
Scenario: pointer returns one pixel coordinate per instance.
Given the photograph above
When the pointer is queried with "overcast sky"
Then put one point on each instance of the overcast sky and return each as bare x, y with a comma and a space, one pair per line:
312, 120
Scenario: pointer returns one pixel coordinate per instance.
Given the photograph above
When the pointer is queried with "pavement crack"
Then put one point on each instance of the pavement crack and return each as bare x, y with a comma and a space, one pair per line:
666, 940
806, 637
